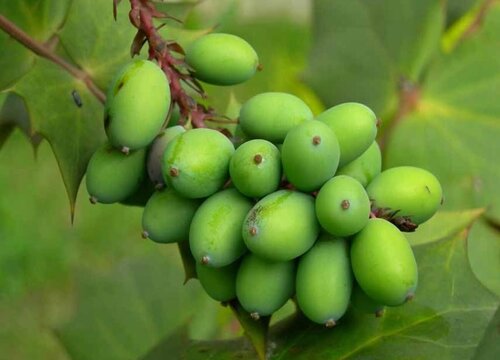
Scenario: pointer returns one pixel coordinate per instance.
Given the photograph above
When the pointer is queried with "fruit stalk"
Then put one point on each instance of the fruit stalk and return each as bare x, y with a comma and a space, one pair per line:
141, 16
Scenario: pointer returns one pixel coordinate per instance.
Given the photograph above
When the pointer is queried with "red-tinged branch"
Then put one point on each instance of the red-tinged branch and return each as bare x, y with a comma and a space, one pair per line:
141, 15
44, 51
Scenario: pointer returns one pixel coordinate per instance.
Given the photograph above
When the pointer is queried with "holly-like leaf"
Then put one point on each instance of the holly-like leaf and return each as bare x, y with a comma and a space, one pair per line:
95, 41
362, 48
13, 113
455, 127
443, 224
73, 131
484, 254
40, 19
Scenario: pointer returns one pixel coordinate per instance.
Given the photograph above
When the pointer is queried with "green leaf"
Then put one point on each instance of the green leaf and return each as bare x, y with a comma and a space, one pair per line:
446, 320
95, 41
361, 49
40, 19
124, 314
13, 113
484, 254
73, 132
443, 224
489, 348
455, 127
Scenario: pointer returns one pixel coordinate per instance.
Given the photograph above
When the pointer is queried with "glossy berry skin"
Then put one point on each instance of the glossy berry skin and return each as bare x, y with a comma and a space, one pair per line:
271, 115
215, 235
281, 226
196, 162
155, 154
167, 216
383, 263
222, 59
113, 176
262, 287
255, 168
310, 155
365, 167
342, 206
412, 192
355, 126
324, 281
136, 105
218, 283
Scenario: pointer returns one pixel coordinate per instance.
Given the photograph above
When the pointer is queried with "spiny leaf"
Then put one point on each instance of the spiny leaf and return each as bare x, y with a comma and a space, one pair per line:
73, 132
41, 19
13, 113
99, 44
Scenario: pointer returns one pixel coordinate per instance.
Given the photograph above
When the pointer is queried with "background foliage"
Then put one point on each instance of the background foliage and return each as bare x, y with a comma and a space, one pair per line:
93, 290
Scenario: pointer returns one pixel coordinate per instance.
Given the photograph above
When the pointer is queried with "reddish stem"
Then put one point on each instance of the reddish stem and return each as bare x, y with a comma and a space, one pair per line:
141, 15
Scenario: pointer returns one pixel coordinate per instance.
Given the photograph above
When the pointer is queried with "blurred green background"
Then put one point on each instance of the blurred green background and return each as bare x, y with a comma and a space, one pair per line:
95, 287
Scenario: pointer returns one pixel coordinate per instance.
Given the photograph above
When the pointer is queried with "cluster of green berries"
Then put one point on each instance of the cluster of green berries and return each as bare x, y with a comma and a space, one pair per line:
299, 210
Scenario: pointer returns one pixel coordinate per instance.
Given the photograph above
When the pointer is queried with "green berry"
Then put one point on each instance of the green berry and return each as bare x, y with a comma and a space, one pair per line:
222, 59
355, 126
255, 168
215, 234
324, 281
196, 162
310, 155
409, 191
383, 263
271, 115
167, 216
219, 283
113, 176
137, 105
262, 287
155, 154
342, 206
365, 167
281, 226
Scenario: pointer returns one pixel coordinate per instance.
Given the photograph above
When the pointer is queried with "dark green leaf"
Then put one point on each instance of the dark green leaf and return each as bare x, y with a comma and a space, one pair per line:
40, 19
362, 49
13, 112
455, 127
73, 132
95, 41
484, 254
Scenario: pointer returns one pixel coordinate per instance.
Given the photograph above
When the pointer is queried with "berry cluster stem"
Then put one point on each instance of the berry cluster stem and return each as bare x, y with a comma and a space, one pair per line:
142, 15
